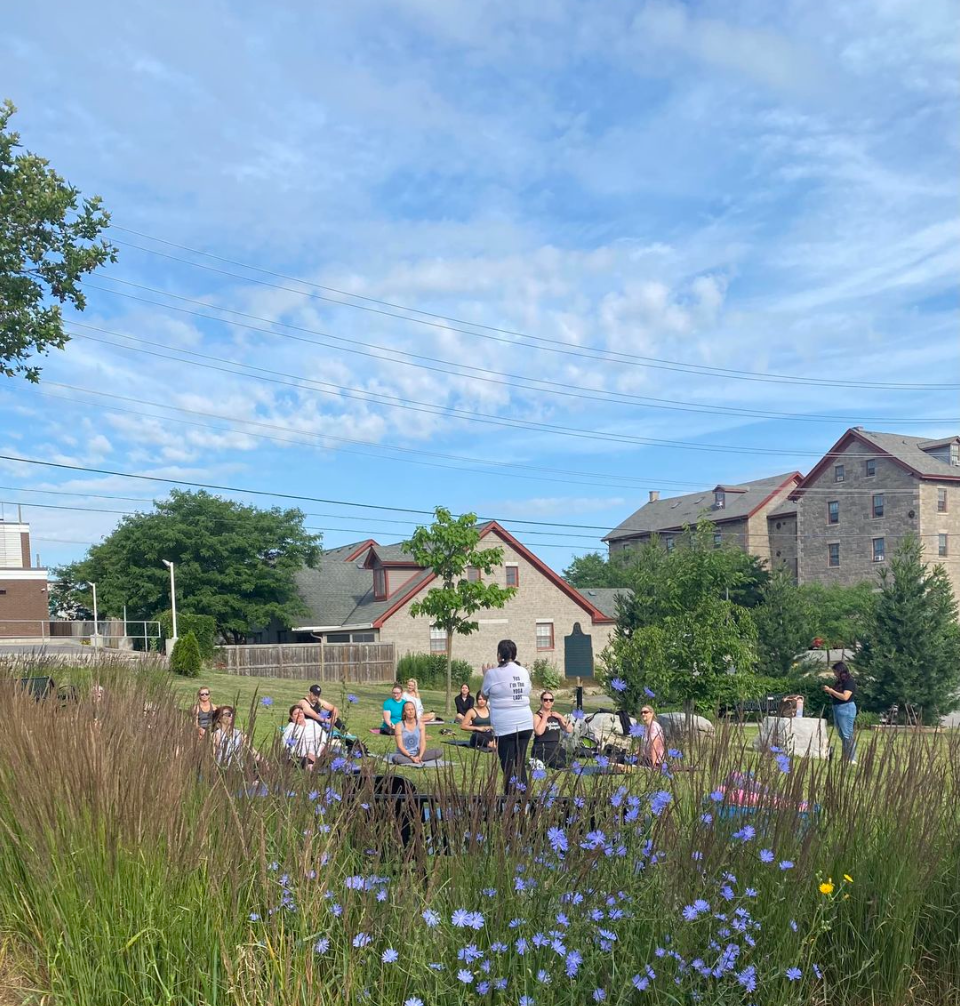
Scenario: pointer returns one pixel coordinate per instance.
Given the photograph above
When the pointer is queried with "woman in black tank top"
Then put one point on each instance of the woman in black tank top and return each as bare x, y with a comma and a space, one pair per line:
477, 722
548, 730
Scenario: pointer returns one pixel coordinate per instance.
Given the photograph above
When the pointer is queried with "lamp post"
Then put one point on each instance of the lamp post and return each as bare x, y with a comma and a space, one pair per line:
96, 625
173, 597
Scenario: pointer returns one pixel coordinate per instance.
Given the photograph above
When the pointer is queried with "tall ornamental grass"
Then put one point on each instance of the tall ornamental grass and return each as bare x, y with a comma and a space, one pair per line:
133, 870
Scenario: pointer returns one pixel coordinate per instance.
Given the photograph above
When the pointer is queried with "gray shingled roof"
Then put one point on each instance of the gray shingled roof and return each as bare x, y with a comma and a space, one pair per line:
678, 511
787, 507
908, 450
604, 598
341, 593
393, 553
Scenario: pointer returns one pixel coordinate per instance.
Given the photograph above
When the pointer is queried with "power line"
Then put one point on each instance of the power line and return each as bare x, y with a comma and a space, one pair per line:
482, 374
507, 335
427, 408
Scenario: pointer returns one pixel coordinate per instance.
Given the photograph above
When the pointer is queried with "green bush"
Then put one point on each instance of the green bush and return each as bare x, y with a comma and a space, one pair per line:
545, 673
430, 670
204, 627
185, 659
865, 721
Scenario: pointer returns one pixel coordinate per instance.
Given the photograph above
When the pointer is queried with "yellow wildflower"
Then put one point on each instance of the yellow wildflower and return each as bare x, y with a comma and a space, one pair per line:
848, 878
827, 887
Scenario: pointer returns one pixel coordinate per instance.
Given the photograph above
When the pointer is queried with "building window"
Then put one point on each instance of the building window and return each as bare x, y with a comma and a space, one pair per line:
438, 640
337, 637
668, 541
941, 501
878, 505
379, 583
717, 539
942, 546
878, 550
833, 512
833, 554
871, 468
513, 576
719, 499
544, 635
363, 637
473, 574
955, 454
838, 473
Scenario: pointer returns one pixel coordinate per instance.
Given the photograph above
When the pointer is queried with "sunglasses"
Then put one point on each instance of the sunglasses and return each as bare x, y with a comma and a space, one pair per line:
547, 700
204, 695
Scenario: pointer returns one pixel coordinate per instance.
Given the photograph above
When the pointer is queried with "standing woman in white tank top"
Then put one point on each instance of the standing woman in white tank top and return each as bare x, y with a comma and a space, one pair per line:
507, 688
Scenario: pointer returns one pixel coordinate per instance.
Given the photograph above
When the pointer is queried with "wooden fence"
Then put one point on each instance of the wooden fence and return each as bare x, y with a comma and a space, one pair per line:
357, 662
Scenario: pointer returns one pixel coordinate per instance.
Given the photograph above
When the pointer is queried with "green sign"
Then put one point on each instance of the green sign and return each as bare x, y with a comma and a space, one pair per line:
578, 654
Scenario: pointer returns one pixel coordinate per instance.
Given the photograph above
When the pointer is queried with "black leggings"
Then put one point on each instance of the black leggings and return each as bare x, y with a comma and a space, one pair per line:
512, 749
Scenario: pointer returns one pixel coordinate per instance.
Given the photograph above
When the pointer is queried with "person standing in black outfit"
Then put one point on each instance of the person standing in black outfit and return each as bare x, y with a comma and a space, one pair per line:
843, 694
507, 688
548, 728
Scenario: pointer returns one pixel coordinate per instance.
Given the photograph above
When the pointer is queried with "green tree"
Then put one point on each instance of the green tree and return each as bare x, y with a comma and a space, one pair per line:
204, 627
841, 613
784, 622
911, 651
679, 633
234, 562
48, 242
449, 548
185, 658
595, 570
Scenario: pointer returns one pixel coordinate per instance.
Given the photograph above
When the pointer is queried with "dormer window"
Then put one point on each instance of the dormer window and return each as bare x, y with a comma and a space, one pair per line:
719, 499
379, 583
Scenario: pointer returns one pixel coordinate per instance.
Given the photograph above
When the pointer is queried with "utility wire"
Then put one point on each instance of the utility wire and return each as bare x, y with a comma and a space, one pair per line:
429, 363
393, 401
506, 335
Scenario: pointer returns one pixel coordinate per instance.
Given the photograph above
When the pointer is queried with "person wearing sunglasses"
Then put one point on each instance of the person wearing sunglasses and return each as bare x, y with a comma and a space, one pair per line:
204, 710
549, 727
230, 745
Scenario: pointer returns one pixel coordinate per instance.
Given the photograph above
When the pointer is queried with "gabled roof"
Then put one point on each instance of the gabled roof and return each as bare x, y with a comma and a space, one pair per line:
676, 512
389, 555
605, 598
347, 553
906, 451
341, 593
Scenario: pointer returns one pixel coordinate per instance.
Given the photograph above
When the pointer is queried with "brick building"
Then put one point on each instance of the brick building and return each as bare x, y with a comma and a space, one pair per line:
363, 592
866, 493
23, 587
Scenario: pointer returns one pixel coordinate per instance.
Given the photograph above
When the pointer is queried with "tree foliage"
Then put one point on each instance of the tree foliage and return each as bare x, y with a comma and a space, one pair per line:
48, 242
679, 632
595, 570
911, 650
841, 614
185, 658
204, 627
235, 563
449, 548
785, 624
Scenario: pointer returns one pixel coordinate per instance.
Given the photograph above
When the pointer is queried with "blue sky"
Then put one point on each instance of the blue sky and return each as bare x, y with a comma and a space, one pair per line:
770, 189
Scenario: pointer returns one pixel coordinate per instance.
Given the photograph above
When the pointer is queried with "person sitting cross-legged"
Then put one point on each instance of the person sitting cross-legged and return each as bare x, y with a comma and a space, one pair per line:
410, 735
548, 728
305, 739
318, 709
392, 710
477, 723
464, 702
653, 748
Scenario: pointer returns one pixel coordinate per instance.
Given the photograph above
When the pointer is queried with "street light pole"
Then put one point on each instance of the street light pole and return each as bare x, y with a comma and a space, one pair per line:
96, 626
173, 597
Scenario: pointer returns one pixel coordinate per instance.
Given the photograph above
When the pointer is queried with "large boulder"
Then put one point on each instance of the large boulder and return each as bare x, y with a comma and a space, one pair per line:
680, 724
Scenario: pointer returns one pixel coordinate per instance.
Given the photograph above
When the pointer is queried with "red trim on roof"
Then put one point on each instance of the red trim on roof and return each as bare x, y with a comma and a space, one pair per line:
401, 601
596, 615
360, 549
834, 457
794, 477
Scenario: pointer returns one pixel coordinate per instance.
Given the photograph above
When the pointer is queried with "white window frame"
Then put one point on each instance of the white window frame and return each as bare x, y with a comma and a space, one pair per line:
545, 624
839, 473
943, 545
881, 554
438, 640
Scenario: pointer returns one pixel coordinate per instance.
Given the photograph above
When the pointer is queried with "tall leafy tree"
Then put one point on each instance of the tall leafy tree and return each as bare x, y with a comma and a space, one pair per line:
449, 547
595, 570
784, 622
679, 633
911, 651
235, 563
49, 239
841, 613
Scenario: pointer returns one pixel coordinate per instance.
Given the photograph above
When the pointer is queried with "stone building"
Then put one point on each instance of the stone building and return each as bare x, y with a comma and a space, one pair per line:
866, 493
757, 516
24, 610
363, 593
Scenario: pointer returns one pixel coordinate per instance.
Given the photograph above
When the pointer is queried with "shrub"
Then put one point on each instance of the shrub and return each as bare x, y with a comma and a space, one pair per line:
185, 659
204, 627
865, 721
545, 673
430, 670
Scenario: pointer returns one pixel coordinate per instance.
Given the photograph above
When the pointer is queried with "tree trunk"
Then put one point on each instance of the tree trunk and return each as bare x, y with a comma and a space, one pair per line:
448, 705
